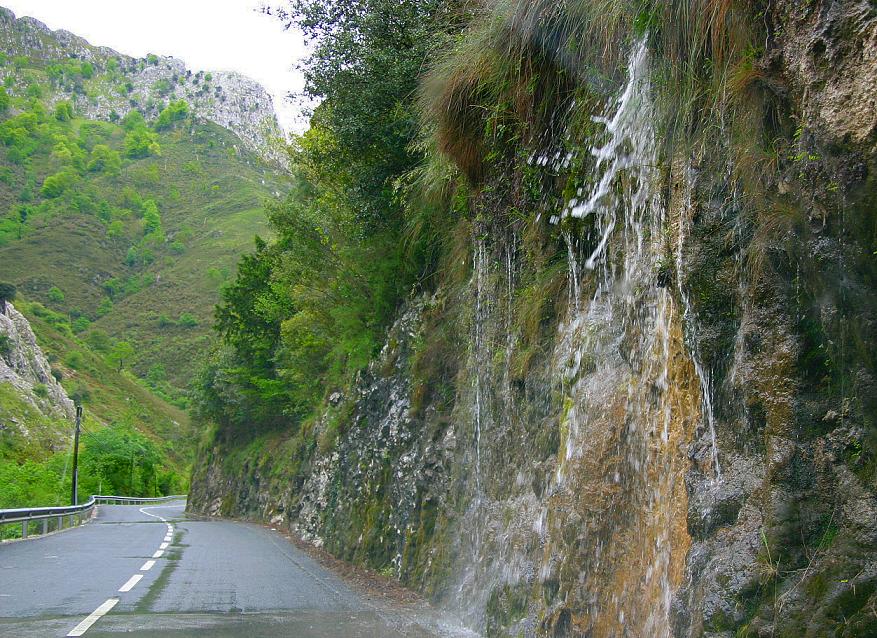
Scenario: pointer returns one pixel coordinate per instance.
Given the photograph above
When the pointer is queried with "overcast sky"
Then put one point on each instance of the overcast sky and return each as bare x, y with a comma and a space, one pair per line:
209, 35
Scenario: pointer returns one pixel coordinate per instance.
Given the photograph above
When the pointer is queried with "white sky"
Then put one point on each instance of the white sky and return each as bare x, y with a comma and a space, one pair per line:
208, 35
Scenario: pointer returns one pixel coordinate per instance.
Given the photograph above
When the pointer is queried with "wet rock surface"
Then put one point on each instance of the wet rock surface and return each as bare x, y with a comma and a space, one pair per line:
690, 451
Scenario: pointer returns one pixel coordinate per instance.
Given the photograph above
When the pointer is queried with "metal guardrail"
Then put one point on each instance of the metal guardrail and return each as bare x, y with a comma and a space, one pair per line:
73, 513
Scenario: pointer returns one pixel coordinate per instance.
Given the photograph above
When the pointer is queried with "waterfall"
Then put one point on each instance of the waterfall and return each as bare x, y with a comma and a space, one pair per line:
611, 517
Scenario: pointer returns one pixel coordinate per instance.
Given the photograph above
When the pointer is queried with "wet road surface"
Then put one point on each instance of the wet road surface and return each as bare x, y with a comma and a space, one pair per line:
152, 572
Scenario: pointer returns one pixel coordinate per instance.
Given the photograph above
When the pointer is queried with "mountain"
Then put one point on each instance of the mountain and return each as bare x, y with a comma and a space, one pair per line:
128, 190
119, 83
125, 239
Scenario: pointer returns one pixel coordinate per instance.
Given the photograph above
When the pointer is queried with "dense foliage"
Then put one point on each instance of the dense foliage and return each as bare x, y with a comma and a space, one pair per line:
309, 310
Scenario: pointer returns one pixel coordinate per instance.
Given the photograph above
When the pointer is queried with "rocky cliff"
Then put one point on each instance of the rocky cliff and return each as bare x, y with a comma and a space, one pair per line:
647, 406
25, 371
122, 83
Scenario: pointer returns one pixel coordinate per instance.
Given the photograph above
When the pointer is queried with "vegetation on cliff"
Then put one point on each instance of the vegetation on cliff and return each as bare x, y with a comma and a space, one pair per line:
461, 180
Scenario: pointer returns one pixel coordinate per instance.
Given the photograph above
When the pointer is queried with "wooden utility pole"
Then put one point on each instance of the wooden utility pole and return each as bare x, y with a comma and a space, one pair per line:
75, 499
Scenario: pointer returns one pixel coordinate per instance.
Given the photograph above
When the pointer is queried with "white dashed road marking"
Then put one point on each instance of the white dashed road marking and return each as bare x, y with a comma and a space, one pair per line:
93, 617
131, 582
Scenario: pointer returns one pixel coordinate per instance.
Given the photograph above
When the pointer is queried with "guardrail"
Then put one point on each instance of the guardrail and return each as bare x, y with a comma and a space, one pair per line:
30, 517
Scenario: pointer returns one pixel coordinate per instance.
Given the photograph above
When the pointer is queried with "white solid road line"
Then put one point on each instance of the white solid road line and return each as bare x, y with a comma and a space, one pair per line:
147, 566
93, 617
158, 553
131, 582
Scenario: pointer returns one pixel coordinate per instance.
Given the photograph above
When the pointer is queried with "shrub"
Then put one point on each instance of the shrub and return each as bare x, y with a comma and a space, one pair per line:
187, 320
41, 390
80, 325
55, 294
55, 185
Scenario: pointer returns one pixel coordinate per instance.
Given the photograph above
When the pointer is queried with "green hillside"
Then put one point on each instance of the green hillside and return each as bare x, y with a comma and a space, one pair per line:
127, 228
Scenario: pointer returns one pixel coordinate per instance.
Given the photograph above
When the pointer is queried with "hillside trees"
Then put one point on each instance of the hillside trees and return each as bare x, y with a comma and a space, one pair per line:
308, 311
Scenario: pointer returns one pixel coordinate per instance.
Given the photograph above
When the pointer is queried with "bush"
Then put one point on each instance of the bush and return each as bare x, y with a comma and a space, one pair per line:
55, 294
55, 185
80, 325
41, 390
187, 320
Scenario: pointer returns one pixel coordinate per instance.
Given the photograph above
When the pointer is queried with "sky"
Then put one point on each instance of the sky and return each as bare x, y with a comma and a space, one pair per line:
208, 35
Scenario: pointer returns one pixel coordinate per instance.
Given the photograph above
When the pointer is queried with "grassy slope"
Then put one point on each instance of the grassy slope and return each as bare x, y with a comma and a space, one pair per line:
201, 187
210, 197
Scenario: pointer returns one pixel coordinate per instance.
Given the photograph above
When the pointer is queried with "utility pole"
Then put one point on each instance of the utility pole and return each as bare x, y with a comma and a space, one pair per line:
75, 499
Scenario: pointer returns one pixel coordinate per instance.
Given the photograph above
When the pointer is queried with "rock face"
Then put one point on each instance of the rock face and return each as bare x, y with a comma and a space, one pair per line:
228, 99
692, 453
24, 366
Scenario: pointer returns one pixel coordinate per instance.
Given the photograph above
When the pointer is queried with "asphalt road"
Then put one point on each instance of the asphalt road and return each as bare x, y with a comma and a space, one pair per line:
152, 572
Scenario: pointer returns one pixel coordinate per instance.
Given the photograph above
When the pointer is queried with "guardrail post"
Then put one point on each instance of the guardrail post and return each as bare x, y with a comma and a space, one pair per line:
45, 526
60, 524
72, 524
24, 525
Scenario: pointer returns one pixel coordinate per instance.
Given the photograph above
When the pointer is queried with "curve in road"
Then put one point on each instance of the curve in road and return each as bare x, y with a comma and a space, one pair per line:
151, 571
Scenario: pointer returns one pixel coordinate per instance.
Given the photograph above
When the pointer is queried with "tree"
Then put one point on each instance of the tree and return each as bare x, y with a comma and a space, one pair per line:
121, 352
55, 294
4, 100
173, 112
7, 294
23, 212
141, 142
63, 111
55, 185
104, 159
133, 120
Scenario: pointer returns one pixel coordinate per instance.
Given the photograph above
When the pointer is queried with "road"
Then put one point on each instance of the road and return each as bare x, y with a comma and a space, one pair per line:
152, 571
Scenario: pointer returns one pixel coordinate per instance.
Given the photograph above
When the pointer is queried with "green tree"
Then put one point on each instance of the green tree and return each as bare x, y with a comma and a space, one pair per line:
122, 351
151, 217
141, 142
4, 100
63, 111
104, 159
122, 460
133, 120
55, 294
173, 112
24, 212
55, 185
